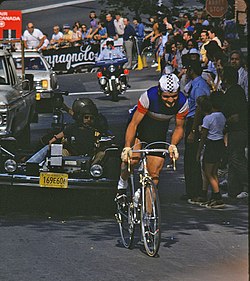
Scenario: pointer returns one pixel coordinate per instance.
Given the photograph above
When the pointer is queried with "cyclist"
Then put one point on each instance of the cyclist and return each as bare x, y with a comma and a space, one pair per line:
149, 123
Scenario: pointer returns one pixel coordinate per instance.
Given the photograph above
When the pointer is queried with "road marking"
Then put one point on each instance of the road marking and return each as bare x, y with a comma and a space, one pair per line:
99, 92
42, 8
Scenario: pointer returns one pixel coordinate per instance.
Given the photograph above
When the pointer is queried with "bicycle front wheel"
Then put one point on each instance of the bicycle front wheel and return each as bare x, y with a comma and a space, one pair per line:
151, 219
125, 218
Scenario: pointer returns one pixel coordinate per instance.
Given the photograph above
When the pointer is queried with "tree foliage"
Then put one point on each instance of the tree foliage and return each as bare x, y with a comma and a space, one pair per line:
134, 7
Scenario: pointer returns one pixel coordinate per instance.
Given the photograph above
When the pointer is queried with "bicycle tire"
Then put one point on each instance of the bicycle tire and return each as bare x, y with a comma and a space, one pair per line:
125, 219
151, 223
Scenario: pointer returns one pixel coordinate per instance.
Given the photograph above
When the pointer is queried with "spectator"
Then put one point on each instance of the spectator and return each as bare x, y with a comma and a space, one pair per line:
45, 44
139, 31
181, 45
102, 32
128, 35
154, 36
33, 37
219, 64
205, 19
213, 139
168, 25
110, 27
235, 111
67, 35
163, 43
76, 36
213, 36
93, 24
213, 51
177, 28
85, 32
192, 169
173, 58
230, 28
187, 35
204, 37
56, 36
237, 61
186, 18
192, 25
119, 25
226, 47
194, 54
78, 24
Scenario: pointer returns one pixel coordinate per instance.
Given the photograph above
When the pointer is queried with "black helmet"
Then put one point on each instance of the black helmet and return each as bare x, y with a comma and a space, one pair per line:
110, 41
83, 106
88, 109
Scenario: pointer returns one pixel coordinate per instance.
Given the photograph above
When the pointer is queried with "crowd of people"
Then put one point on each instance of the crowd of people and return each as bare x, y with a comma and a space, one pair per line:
205, 58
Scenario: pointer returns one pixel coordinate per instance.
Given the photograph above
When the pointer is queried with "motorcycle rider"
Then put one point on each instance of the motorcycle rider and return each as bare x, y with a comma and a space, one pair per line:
80, 137
110, 52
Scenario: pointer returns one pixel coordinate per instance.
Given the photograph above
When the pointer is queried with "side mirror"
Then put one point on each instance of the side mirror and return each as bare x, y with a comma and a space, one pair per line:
28, 83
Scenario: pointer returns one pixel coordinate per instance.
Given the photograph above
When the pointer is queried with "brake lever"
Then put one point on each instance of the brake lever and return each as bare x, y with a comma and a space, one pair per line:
174, 164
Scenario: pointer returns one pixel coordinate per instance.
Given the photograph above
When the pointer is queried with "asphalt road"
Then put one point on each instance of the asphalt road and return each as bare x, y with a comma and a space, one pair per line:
67, 235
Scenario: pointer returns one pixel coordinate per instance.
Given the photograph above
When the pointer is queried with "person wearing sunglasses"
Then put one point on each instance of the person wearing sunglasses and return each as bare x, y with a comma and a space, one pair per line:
80, 137
33, 37
149, 122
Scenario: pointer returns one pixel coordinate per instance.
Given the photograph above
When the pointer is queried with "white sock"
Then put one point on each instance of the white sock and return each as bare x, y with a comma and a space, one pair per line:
122, 184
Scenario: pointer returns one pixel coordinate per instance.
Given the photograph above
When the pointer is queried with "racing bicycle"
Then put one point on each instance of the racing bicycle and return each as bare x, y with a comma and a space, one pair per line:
141, 206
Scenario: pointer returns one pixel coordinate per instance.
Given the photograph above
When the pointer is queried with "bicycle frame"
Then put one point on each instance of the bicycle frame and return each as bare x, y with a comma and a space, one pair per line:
144, 208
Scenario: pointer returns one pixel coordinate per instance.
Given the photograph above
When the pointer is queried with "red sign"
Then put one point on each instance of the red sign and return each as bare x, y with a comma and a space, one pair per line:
216, 8
10, 24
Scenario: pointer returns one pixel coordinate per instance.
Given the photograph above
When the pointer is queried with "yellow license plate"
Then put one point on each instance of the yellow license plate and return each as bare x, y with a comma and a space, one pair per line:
53, 180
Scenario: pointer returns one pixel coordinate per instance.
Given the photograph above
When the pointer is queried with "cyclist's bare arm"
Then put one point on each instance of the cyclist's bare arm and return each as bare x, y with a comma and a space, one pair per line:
178, 131
132, 127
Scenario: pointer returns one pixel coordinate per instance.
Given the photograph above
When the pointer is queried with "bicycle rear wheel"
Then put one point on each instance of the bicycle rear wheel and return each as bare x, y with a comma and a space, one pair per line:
125, 218
151, 219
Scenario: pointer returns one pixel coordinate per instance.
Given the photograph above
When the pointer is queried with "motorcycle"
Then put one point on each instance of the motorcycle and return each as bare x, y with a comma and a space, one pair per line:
112, 78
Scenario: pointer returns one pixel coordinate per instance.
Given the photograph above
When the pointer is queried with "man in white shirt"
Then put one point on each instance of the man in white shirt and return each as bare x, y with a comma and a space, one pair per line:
119, 25
56, 36
33, 37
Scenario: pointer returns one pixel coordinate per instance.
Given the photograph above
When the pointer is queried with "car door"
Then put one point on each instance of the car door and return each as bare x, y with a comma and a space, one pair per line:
18, 101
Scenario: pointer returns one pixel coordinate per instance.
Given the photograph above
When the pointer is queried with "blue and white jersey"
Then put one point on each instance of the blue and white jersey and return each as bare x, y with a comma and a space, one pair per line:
151, 104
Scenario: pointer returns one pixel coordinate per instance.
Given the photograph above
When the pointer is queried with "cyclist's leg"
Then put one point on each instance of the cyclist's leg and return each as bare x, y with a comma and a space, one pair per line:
123, 181
154, 165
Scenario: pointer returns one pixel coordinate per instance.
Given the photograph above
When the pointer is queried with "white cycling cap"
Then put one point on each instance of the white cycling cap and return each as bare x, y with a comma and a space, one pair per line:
169, 83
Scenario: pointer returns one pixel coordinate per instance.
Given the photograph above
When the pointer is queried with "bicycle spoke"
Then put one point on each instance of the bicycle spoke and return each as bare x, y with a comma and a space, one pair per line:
125, 220
150, 220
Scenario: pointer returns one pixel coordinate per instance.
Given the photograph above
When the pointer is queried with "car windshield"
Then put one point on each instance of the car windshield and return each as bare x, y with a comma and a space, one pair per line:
3, 76
30, 63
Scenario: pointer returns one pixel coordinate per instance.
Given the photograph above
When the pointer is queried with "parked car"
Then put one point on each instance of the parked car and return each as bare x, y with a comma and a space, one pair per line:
45, 79
17, 101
